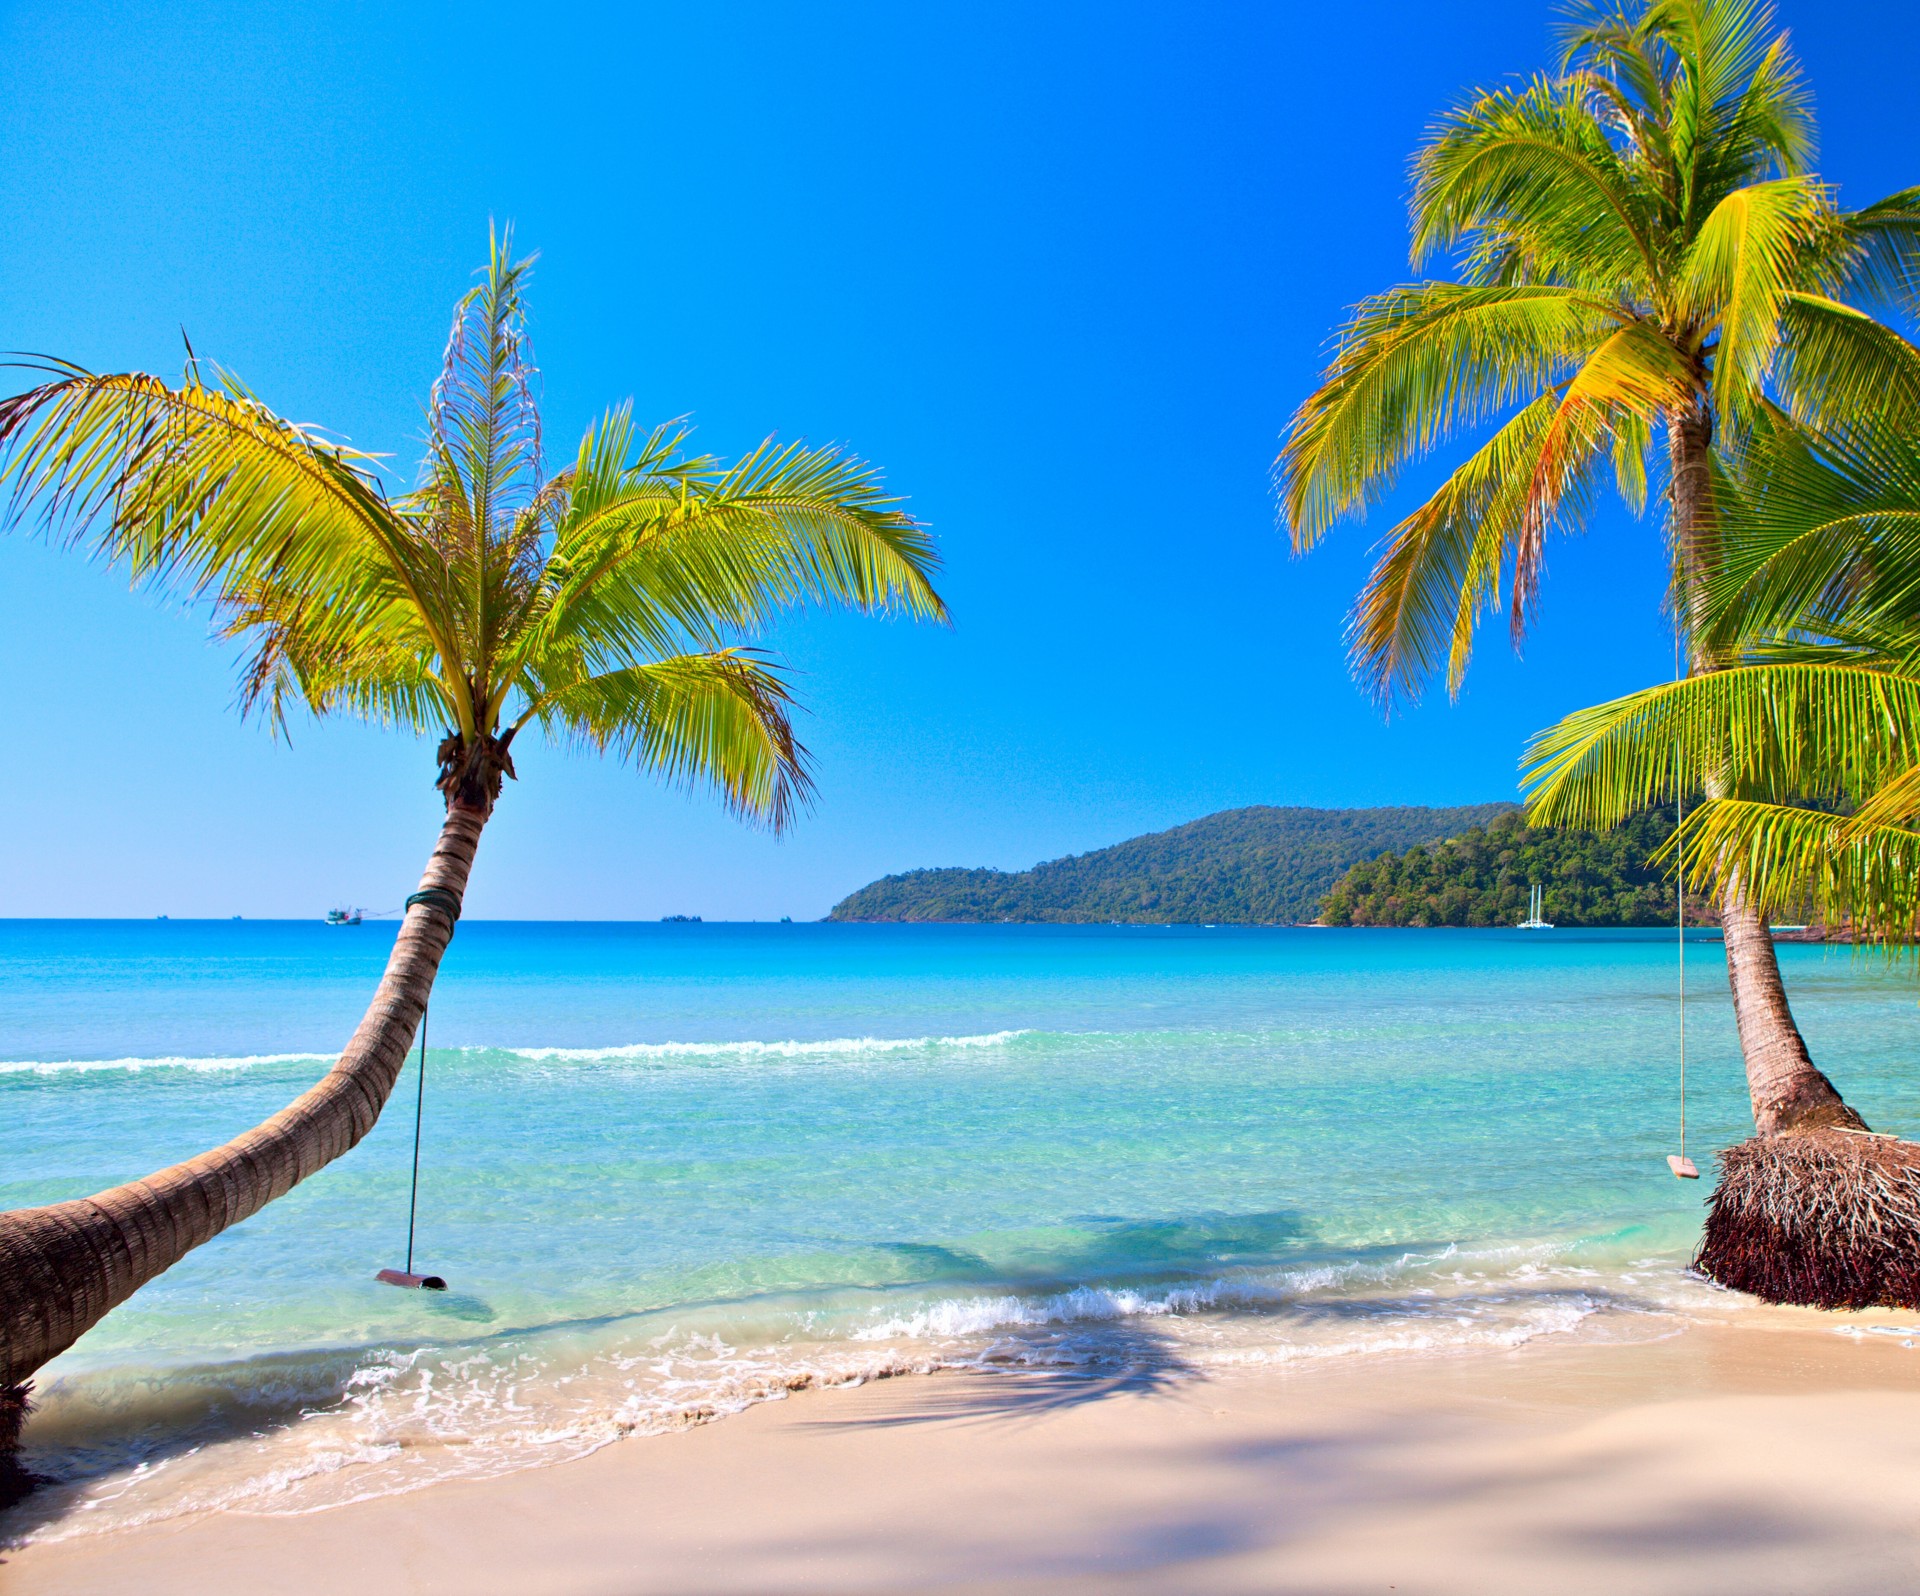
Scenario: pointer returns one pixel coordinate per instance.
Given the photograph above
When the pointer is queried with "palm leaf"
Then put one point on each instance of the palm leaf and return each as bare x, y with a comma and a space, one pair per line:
1808, 732
205, 493
722, 718
1748, 255
1886, 264
1536, 165
1414, 364
1789, 860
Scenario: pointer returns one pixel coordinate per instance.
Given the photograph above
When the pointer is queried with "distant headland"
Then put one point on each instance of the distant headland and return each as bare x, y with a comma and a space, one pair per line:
1257, 866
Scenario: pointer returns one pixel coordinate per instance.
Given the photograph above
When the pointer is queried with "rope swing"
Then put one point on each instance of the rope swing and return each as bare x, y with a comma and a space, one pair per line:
406, 1277
448, 904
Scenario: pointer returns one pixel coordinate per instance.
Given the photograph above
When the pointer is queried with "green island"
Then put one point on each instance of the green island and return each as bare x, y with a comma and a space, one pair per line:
1257, 866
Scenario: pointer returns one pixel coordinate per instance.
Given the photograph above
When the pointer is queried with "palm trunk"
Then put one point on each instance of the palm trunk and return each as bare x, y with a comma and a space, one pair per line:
64, 1266
1789, 1094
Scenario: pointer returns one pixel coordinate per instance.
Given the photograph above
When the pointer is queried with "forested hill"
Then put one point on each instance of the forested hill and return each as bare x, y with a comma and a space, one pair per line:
1482, 878
1259, 866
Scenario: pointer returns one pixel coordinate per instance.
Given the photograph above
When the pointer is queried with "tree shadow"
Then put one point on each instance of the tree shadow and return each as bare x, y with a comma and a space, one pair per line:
1535, 1519
1075, 1335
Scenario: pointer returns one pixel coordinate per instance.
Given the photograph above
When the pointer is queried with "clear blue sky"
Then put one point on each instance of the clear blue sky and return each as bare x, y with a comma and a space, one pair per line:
1061, 270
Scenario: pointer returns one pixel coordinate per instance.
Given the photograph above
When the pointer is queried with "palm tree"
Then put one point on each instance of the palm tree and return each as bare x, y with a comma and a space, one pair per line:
1628, 234
1813, 742
595, 603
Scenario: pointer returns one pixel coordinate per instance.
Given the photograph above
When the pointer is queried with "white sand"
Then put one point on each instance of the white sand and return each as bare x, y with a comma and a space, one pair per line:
1769, 1456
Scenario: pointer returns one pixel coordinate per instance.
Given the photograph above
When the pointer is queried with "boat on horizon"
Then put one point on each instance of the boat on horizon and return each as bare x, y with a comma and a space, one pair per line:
345, 916
1535, 921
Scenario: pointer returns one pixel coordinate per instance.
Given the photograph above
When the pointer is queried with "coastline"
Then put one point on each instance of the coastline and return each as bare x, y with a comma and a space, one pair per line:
1779, 1451
1118, 1184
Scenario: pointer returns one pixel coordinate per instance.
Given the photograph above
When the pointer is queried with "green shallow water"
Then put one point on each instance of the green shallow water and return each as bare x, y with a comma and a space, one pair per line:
670, 1169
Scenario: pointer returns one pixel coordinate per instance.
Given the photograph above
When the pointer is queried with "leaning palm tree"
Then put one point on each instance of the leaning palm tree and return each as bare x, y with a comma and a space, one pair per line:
1812, 743
1628, 235
598, 604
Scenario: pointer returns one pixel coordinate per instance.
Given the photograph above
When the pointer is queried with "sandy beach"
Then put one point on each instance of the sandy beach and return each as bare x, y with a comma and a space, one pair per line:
1776, 1454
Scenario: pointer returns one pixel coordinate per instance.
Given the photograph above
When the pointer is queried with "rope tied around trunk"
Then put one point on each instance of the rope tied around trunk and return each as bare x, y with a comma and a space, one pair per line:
448, 903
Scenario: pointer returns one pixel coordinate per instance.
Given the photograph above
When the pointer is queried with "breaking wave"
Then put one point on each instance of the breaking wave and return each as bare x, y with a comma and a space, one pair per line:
134, 1066
838, 1047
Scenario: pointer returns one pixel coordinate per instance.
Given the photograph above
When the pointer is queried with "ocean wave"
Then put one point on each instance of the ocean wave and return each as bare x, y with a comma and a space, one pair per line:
87, 1066
841, 1046
399, 1422
1460, 1332
1418, 1283
1907, 1335
958, 1317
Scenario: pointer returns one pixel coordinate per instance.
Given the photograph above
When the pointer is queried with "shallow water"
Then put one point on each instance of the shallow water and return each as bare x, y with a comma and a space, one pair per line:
670, 1170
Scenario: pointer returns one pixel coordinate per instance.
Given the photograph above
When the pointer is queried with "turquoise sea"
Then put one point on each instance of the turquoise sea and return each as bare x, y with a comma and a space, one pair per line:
670, 1170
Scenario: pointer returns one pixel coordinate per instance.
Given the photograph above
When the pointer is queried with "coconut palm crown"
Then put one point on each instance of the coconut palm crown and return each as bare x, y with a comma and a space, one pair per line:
594, 602
1627, 233
603, 603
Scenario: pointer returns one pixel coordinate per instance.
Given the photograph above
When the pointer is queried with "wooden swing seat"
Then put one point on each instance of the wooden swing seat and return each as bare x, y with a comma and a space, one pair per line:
399, 1277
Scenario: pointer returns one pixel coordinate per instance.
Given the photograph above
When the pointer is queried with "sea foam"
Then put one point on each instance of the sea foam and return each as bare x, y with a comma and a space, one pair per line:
87, 1066
836, 1047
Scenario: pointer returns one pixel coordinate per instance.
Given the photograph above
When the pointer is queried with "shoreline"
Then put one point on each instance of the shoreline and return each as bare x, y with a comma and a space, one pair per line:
1777, 1452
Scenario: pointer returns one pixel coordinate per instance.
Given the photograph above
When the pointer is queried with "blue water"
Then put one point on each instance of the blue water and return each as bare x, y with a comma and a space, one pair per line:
669, 1170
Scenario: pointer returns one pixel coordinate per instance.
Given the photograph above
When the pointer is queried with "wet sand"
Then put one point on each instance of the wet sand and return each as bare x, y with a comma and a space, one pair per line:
1767, 1455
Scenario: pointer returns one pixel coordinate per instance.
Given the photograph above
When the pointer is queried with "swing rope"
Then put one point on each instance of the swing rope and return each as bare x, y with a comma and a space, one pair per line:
419, 1109
446, 904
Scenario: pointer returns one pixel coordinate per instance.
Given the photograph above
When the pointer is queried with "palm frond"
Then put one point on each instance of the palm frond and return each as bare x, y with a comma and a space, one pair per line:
1442, 568
721, 718
1808, 732
359, 647
1413, 365
1841, 371
483, 415
1789, 860
1737, 109
1748, 255
1439, 570
208, 495
1886, 266
481, 482
605, 597
1823, 521
1537, 166
662, 557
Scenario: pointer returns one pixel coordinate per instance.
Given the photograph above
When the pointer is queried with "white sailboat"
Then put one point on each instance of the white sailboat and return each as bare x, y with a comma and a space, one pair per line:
1536, 901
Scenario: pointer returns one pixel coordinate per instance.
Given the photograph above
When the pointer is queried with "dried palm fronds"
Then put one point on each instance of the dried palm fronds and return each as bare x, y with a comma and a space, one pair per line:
1829, 1219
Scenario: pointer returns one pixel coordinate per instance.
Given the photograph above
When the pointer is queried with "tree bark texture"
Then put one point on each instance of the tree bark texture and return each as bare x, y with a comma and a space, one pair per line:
1788, 1092
64, 1266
